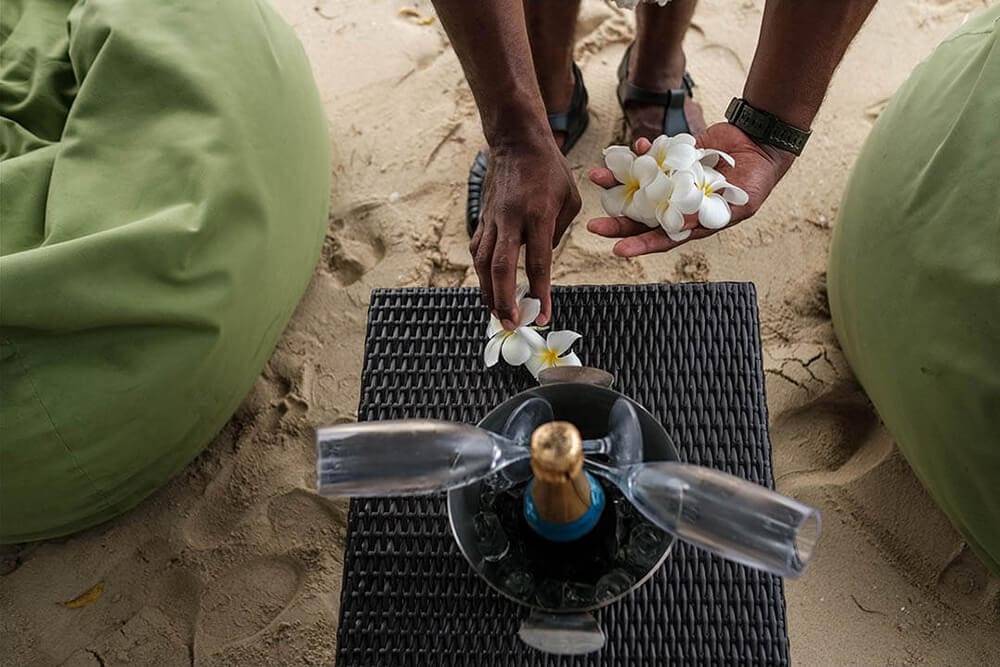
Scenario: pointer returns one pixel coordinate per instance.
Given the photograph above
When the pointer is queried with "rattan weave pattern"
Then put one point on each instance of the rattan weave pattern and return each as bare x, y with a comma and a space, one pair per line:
689, 353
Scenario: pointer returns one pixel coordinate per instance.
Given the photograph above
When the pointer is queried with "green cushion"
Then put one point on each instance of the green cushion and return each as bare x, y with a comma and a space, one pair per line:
914, 276
163, 196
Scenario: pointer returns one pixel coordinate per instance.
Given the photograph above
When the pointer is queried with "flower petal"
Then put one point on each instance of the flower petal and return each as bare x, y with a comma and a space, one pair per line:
641, 209
569, 360
735, 195
710, 157
528, 308
535, 365
679, 236
714, 212
491, 354
535, 340
712, 177
494, 327
516, 348
659, 189
670, 219
561, 341
614, 200
690, 203
645, 169
681, 156
619, 160
683, 138
697, 173
659, 148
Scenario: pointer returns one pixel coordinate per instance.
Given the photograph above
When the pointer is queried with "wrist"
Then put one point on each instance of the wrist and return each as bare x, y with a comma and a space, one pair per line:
781, 158
765, 128
792, 103
517, 123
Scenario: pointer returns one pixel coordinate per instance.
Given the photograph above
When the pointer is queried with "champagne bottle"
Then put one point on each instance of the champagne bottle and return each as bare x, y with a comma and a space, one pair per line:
563, 502
570, 530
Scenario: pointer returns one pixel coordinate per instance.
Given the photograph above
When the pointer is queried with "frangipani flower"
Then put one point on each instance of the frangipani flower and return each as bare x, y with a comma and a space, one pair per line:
634, 173
673, 197
674, 153
554, 351
710, 197
515, 346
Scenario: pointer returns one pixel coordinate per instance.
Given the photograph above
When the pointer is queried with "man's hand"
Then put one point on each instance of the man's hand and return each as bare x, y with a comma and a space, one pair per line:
529, 199
758, 169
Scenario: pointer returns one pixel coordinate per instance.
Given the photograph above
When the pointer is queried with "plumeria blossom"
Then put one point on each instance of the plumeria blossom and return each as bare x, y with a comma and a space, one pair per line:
710, 197
674, 153
673, 199
553, 352
634, 174
684, 182
515, 346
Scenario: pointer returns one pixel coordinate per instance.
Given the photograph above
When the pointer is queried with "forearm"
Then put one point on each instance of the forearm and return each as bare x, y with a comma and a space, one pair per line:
491, 41
801, 43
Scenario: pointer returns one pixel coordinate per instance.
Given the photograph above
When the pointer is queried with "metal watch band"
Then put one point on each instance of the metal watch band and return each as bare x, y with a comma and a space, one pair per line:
766, 128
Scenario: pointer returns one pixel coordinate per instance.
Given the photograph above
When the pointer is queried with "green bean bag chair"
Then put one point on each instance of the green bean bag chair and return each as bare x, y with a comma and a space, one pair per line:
164, 187
914, 278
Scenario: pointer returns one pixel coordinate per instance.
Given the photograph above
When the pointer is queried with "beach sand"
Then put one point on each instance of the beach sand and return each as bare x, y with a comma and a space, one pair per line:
238, 562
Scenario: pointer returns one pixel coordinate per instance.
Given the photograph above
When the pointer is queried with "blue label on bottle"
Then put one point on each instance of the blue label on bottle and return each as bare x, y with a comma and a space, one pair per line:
566, 532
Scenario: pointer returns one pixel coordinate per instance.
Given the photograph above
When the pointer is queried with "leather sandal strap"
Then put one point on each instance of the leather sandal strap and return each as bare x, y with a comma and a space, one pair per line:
563, 121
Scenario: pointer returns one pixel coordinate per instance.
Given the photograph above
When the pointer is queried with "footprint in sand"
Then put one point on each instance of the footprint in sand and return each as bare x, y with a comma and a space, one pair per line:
243, 602
692, 267
353, 246
831, 439
301, 516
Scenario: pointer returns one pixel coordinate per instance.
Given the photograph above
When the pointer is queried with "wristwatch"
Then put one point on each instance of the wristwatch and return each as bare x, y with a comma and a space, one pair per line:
766, 128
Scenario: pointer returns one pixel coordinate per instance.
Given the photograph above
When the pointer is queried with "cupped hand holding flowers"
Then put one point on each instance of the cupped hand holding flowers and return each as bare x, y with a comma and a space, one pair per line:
717, 180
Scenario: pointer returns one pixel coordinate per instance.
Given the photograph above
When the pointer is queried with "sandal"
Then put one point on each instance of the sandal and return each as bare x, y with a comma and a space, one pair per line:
672, 101
573, 122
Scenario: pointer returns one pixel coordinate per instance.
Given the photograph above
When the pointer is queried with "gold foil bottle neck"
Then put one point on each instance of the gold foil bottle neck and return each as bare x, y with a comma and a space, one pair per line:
556, 452
561, 492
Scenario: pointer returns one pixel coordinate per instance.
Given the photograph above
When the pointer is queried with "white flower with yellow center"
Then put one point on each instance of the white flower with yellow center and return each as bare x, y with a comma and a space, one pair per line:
634, 173
554, 351
674, 153
515, 346
710, 196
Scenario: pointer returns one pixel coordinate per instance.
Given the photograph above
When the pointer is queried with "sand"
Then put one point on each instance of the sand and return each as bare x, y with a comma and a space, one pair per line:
237, 562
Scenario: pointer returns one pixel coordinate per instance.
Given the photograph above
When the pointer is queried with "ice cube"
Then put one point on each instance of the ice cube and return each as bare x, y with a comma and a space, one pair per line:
549, 594
520, 584
490, 536
576, 594
644, 548
613, 584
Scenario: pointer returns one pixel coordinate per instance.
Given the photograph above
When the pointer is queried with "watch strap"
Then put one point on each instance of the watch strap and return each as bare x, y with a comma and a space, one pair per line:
766, 128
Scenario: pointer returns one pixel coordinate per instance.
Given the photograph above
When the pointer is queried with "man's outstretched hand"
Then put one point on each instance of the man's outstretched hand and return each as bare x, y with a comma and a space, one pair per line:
530, 198
758, 169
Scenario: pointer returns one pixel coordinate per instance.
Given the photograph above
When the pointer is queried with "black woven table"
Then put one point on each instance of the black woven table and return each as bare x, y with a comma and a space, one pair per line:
689, 353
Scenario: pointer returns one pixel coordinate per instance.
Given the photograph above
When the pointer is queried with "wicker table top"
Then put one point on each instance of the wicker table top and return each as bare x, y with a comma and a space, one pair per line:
689, 353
